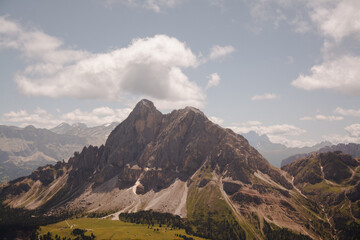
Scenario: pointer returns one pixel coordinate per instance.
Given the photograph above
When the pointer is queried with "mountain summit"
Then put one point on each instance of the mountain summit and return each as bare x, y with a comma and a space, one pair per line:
180, 163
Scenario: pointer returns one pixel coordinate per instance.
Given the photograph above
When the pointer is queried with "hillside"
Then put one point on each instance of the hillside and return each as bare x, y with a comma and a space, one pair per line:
179, 163
331, 179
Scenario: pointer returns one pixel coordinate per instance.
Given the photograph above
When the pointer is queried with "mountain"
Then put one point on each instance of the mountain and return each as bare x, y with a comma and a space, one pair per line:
94, 135
179, 163
276, 152
331, 179
352, 149
24, 149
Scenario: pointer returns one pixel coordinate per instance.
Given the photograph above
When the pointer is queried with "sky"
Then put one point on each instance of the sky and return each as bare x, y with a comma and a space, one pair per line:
289, 69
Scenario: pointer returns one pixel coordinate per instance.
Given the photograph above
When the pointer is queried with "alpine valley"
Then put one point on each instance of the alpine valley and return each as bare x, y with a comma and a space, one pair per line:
181, 163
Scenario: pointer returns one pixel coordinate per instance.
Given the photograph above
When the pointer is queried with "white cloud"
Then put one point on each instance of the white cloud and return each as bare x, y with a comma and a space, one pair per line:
147, 68
35, 44
214, 80
337, 19
266, 96
337, 138
347, 112
300, 25
97, 116
280, 133
220, 51
216, 120
307, 118
251, 123
294, 143
322, 118
342, 74
352, 136
353, 130
41, 118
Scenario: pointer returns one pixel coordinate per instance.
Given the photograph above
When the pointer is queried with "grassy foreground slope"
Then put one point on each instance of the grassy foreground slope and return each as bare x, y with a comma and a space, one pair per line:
110, 229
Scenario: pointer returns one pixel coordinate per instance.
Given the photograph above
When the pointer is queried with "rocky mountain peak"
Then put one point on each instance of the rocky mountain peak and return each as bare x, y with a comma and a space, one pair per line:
144, 106
179, 143
192, 109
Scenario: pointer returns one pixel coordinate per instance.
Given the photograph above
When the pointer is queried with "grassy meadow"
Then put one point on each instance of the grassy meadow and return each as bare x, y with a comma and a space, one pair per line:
110, 229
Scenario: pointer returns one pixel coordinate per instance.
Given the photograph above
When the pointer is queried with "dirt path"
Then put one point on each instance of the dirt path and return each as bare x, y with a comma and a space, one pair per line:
333, 230
350, 210
353, 172
292, 182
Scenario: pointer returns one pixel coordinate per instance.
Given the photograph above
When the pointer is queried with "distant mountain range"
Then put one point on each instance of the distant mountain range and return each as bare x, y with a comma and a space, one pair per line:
352, 149
22, 150
276, 152
94, 135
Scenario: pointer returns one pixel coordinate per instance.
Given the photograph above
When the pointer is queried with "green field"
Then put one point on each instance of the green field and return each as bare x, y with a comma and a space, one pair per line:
110, 229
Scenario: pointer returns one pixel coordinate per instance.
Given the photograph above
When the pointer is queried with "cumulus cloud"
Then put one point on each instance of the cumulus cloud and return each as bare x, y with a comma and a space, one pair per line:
352, 135
216, 120
41, 118
353, 130
338, 138
97, 116
214, 80
148, 68
342, 74
347, 112
35, 44
220, 51
279, 133
266, 96
322, 118
336, 21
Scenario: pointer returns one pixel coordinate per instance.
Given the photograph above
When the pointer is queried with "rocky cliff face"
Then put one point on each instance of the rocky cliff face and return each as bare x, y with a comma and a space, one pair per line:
180, 163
